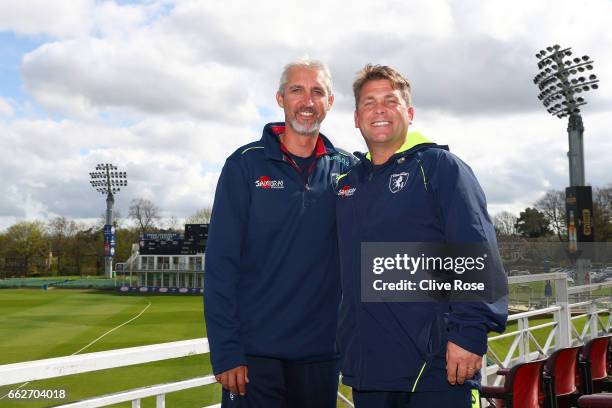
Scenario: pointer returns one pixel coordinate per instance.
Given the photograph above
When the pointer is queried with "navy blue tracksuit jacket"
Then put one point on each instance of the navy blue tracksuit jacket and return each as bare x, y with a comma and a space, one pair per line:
271, 280
402, 346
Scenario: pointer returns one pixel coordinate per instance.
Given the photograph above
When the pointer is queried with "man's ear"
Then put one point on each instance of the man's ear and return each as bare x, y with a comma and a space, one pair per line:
330, 101
356, 117
410, 114
280, 100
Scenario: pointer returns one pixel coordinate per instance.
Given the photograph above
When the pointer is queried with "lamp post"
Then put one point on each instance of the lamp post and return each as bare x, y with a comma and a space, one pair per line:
562, 81
107, 180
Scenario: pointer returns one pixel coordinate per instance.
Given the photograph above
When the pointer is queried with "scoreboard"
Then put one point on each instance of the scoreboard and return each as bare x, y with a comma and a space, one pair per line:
191, 243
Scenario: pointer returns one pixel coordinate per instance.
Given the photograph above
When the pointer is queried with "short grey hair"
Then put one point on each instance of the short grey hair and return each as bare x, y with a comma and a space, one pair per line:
315, 65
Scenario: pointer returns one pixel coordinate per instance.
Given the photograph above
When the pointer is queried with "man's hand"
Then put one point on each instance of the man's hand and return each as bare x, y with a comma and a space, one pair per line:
234, 380
461, 365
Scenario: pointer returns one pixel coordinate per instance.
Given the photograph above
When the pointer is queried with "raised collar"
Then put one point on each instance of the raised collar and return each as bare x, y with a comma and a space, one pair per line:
412, 139
275, 150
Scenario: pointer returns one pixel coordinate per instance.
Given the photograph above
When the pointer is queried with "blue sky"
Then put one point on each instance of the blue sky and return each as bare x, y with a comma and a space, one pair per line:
12, 49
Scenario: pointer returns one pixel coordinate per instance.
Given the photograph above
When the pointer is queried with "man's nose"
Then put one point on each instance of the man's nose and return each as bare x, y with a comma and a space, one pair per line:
308, 100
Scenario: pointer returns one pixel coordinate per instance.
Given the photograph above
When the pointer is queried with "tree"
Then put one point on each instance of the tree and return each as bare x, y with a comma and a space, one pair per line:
117, 219
3, 249
202, 216
172, 225
552, 205
532, 223
126, 237
87, 250
602, 213
504, 224
144, 213
60, 231
27, 247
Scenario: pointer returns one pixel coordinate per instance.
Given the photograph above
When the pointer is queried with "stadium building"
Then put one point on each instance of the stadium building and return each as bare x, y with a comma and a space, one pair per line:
166, 263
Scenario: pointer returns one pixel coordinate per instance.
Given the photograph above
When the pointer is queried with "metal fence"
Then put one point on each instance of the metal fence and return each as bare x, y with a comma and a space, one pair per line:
571, 304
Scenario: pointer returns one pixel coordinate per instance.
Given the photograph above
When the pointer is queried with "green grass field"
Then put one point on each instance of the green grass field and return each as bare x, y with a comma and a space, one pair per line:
36, 324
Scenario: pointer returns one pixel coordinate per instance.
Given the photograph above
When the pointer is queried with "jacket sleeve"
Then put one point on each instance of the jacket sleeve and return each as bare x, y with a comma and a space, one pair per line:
222, 268
463, 212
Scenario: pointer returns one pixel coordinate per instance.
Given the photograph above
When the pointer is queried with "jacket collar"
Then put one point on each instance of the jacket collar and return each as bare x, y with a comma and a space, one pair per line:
414, 142
274, 150
412, 139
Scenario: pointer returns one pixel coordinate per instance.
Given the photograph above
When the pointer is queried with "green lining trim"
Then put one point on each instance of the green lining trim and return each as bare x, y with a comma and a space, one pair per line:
422, 174
340, 177
250, 148
475, 398
412, 139
418, 377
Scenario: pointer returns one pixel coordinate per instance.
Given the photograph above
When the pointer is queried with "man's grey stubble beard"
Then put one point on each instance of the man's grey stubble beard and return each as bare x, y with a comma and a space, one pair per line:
304, 130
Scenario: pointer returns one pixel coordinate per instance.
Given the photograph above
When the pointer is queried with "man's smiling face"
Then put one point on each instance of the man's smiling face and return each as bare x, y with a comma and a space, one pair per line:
382, 114
305, 100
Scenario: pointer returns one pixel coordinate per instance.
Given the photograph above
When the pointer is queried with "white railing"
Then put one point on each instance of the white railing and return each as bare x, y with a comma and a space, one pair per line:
83, 363
562, 329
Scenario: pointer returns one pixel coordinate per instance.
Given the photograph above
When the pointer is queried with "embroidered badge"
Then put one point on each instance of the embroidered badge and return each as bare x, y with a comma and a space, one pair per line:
397, 182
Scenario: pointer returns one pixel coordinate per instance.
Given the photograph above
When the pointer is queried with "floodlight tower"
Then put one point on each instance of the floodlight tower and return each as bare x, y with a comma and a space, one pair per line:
107, 180
562, 80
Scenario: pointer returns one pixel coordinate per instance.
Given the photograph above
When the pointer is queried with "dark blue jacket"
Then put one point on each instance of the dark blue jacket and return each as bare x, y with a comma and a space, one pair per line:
401, 346
271, 280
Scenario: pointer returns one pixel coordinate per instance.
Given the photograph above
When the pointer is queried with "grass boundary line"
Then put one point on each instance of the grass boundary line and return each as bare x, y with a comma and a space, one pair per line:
114, 328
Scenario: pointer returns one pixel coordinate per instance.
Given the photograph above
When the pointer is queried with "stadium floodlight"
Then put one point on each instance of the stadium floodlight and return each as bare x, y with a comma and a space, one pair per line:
108, 181
563, 80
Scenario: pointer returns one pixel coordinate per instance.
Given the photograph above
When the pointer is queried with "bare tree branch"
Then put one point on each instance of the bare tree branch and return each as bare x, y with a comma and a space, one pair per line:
202, 216
504, 224
552, 205
144, 213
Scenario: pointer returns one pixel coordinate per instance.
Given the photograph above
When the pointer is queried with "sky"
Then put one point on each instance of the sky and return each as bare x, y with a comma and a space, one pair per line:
166, 90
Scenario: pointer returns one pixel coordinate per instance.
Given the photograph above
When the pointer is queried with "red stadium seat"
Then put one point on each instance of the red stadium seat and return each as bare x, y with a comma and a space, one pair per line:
593, 361
521, 389
595, 401
560, 378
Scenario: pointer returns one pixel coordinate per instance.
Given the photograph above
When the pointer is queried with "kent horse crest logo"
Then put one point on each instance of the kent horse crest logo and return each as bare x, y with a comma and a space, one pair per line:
397, 182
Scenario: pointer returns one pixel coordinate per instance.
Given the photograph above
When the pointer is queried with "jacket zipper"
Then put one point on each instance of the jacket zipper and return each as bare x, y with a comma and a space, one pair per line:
306, 183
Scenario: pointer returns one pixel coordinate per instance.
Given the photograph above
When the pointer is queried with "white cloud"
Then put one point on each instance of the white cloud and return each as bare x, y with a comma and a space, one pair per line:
81, 78
46, 165
54, 18
5, 108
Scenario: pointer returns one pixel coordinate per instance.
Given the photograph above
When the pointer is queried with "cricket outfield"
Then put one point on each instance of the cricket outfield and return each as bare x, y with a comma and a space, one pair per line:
37, 324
